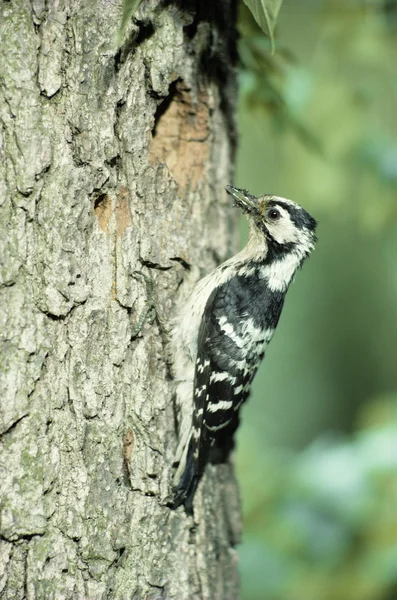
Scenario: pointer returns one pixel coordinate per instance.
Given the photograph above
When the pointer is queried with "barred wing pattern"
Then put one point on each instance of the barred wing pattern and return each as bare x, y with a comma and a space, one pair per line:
232, 339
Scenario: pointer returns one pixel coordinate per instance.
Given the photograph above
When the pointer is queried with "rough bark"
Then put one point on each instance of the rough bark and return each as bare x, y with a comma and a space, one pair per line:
113, 164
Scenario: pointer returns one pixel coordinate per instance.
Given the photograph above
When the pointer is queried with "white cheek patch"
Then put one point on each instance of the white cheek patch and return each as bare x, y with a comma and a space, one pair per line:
283, 230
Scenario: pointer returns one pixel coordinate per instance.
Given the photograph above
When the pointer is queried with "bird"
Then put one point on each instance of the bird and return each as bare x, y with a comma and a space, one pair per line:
221, 335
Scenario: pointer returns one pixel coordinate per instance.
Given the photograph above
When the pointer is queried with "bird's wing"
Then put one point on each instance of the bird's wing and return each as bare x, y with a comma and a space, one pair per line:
225, 366
227, 360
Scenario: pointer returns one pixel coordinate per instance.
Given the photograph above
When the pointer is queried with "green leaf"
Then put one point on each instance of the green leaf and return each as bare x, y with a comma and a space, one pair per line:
265, 13
129, 7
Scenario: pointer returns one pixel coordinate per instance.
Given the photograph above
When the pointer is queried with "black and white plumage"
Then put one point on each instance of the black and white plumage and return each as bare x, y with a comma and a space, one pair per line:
224, 329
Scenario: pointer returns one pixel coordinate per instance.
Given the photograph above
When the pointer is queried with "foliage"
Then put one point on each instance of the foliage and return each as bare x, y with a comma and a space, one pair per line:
263, 78
265, 13
322, 523
318, 499
334, 89
129, 8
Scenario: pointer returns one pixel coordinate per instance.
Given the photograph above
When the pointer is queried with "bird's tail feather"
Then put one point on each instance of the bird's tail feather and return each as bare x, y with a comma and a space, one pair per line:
186, 488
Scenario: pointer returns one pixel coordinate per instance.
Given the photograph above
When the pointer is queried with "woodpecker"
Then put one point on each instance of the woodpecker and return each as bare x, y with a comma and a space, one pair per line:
221, 336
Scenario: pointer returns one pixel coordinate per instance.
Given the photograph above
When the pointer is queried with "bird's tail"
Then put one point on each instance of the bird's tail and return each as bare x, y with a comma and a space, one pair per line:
185, 489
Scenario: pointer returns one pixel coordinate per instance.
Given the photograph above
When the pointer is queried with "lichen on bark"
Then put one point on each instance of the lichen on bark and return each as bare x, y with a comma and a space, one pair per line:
113, 164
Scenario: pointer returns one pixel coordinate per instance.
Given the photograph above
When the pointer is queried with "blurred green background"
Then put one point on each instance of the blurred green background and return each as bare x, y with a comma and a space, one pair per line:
317, 449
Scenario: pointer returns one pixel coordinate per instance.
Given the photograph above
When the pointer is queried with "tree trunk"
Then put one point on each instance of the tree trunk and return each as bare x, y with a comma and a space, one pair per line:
113, 164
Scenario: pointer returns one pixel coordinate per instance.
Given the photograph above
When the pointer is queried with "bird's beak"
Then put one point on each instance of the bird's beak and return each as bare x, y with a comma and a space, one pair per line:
247, 202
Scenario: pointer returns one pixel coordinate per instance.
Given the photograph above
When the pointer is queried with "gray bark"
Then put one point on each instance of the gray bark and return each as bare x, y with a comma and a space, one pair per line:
113, 164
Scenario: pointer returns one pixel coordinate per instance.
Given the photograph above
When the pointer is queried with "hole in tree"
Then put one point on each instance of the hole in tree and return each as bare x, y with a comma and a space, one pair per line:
100, 202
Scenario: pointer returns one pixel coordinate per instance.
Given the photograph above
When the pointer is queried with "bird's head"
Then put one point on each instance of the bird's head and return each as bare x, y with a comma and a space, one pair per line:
286, 226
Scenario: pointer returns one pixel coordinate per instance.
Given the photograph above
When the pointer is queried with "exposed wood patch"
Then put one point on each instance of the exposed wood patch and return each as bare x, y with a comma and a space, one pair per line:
103, 211
123, 216
180, 136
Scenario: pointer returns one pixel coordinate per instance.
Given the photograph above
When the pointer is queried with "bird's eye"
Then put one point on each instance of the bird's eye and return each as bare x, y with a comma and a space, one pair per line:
274, 214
